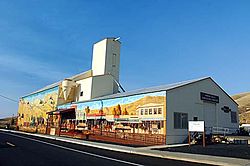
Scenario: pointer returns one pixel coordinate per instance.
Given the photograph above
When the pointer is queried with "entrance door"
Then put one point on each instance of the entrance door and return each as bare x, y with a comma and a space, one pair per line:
209, 113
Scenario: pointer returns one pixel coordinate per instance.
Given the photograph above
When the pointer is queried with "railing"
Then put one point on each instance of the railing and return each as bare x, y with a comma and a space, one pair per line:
218, 130
149, 139
119, 137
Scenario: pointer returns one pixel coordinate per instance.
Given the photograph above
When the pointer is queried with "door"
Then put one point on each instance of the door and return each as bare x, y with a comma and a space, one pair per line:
209, 113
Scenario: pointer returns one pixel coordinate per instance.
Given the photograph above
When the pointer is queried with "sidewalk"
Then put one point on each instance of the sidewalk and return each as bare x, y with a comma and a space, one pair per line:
147, 151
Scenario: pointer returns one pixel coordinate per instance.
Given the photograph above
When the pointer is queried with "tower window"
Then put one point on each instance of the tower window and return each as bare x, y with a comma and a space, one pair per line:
81, 93
114, 60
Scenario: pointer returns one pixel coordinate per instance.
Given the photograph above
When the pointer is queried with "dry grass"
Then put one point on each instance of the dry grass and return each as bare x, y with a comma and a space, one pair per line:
6, 120
243, 100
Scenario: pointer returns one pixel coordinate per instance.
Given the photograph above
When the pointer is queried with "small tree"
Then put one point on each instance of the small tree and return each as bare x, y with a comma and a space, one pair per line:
114, 111
118, 109
87, 110
125, 112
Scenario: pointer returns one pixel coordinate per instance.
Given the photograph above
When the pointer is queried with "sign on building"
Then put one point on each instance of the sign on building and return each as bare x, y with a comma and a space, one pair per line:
196, 126
209, 97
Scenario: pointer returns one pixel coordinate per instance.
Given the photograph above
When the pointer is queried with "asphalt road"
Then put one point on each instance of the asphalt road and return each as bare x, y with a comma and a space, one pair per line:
23, 150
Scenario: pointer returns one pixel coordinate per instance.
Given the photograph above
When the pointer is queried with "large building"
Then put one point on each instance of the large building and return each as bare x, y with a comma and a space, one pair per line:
95, 101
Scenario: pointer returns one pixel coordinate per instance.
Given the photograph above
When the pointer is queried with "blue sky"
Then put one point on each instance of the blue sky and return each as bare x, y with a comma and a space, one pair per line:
163, 42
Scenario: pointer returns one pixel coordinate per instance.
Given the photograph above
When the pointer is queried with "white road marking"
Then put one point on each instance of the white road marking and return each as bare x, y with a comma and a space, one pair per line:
74, 150
10, 144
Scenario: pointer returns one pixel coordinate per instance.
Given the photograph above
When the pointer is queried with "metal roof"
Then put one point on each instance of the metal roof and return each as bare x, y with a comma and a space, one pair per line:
134, 92
43, 89
160, 88
75, 78
152, 89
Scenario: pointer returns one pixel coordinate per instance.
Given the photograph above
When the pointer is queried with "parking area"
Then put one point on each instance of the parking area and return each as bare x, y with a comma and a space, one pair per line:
231, 150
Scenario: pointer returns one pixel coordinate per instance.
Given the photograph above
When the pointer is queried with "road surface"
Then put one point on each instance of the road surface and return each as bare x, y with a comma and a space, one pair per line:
23, 150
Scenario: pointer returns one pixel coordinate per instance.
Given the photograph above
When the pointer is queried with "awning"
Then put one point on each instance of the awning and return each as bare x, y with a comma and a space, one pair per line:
96, 117
66, 110
59, 111
54, 112
152, 119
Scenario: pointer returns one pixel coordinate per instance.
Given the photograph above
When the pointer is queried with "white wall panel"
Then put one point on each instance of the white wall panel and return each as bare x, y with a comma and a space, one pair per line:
186, 99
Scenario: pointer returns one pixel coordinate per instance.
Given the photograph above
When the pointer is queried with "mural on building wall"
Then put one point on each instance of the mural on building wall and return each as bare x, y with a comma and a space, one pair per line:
143, 113
71, 95
33, 108
82, 109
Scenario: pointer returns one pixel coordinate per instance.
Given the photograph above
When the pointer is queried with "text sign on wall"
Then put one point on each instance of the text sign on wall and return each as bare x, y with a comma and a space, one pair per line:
197, 126
209, 97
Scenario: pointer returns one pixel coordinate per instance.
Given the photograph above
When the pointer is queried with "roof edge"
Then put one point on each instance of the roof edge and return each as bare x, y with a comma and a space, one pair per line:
213, 82
41, 90
225, 92
106, 97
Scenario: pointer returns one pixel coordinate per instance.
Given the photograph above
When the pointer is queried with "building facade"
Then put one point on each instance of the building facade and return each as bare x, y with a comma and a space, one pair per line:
92, 101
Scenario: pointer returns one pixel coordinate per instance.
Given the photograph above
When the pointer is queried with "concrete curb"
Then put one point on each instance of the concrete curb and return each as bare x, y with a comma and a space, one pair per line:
204, 159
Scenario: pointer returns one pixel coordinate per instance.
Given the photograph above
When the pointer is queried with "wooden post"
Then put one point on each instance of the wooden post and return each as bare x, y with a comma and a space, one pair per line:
204, 140
47, 125
59, 124
189, 138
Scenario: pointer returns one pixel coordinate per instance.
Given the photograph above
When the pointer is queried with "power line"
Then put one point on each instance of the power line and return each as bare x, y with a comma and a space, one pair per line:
8, 98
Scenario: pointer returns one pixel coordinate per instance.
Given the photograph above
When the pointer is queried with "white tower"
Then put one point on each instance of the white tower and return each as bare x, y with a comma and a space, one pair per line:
106, 59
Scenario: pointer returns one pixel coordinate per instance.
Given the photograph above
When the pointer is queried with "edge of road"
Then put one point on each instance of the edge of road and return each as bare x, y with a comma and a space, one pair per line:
195, 158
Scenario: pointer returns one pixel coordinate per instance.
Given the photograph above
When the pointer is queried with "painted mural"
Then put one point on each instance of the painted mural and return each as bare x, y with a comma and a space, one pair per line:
33, 108
143, 113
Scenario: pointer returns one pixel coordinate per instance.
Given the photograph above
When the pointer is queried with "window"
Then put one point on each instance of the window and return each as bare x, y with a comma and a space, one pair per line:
114, 60
159, 125
141, 111
180, 120
162, 124
81, 93
159, 110
233, 117
147, 124
155, 110
150, 111
146, 111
